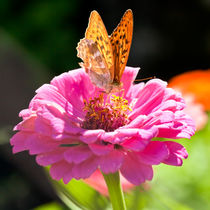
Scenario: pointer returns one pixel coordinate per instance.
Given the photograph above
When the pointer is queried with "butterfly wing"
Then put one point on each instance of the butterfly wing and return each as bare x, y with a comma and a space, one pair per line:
96, 32
93, 62
121, 39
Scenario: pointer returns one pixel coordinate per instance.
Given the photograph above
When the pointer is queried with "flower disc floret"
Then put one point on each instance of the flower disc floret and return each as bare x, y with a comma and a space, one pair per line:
106, 116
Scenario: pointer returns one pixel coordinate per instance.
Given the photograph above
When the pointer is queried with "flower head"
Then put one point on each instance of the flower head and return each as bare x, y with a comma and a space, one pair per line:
72, 126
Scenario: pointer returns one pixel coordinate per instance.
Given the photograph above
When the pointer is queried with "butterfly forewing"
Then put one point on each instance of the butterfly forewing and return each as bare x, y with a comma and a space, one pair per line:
121, 39
96, 32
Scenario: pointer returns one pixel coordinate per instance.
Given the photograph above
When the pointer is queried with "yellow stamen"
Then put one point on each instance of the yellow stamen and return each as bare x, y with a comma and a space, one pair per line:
107, 116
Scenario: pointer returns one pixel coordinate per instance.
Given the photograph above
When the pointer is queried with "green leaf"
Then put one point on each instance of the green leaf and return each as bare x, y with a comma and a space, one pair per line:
50, 206
78, 195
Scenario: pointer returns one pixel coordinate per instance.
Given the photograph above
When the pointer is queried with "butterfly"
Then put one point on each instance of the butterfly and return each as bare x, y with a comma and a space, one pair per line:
105, 57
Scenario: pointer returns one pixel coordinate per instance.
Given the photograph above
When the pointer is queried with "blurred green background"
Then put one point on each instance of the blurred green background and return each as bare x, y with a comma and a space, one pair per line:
38, 40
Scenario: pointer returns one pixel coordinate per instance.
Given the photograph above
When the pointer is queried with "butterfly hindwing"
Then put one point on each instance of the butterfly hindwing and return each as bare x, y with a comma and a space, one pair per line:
93, 62
121, 39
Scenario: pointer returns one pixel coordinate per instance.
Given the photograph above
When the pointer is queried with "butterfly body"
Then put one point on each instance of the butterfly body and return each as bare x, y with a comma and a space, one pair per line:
105, 57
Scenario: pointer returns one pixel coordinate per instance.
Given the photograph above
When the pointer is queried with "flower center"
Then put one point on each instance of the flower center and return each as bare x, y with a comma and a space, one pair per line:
106, 116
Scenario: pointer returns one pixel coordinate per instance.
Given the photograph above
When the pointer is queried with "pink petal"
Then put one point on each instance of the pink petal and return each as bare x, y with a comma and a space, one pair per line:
122, 134
90, 136
134, 144
52, 121
135, 171
25, 113
49, 158
39, 144
128, 77
18, 141
75, 86
154, 153
68, 176
60, 169
57, 118
49, 94
169, 105
27, 124
111, 163
42, 126
100, 148
77, 154
182, 127
159, 118
138, 122
85, 169
151, 96
176, 153
133, 93
172, 95
140, 140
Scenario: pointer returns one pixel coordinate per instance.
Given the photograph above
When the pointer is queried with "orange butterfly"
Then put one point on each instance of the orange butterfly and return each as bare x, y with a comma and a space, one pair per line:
105, 57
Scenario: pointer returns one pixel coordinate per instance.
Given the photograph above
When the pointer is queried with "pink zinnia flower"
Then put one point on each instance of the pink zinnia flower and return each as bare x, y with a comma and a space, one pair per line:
76, 129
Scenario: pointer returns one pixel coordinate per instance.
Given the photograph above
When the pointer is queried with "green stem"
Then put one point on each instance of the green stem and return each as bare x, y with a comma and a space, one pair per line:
115, 191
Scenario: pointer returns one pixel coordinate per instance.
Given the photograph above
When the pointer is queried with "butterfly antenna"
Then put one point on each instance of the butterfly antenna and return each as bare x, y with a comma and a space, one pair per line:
147, 78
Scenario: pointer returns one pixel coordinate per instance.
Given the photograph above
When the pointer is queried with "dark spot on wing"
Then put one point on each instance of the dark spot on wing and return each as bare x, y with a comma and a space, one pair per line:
107, 52
124, 51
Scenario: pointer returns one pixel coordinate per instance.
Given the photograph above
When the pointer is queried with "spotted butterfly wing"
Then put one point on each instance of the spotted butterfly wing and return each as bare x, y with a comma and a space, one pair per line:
96, 31
121, 39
